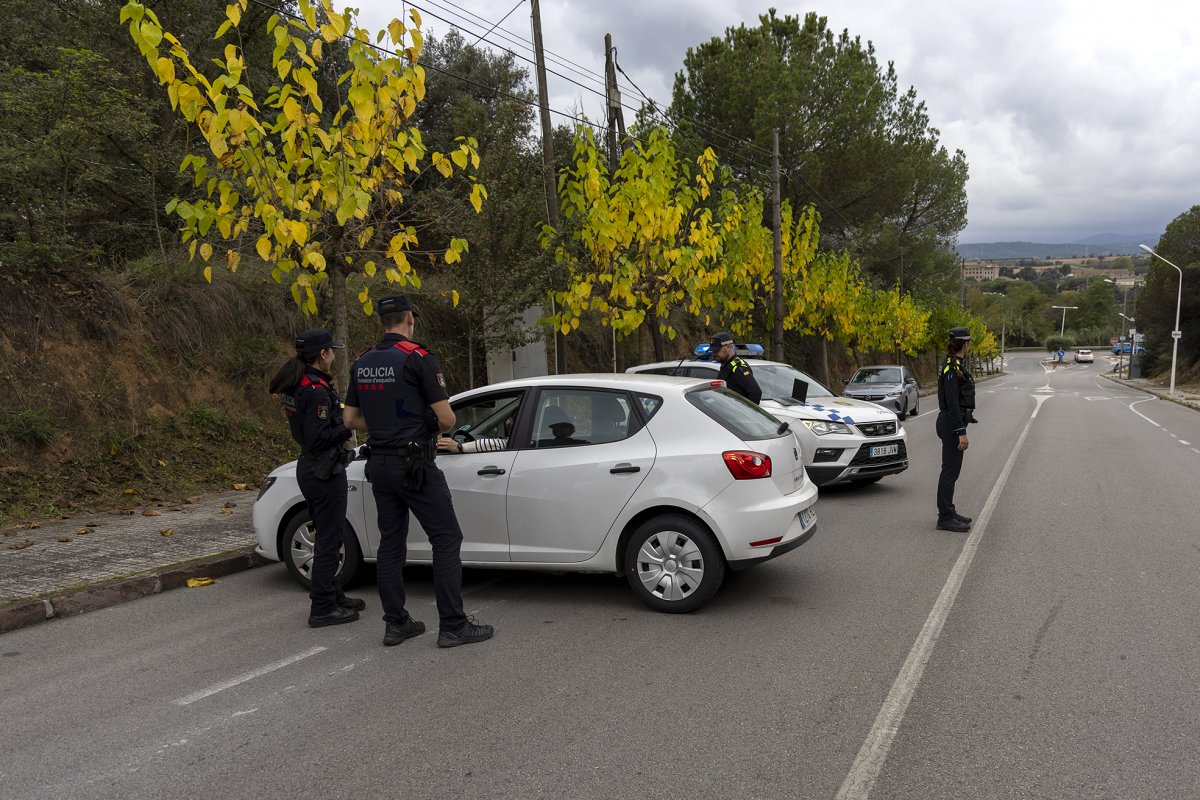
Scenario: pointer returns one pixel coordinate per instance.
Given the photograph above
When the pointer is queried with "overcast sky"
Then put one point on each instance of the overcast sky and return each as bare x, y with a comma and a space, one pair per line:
1077, 117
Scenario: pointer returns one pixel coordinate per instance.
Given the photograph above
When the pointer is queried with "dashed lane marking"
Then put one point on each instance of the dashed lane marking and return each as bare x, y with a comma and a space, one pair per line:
249, 676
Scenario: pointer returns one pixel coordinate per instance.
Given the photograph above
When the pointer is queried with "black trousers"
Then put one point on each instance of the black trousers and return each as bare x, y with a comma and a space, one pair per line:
433, 507
952, 459
327, 508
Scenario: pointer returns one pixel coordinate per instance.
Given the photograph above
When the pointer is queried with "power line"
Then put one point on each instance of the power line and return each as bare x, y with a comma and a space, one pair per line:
497, 25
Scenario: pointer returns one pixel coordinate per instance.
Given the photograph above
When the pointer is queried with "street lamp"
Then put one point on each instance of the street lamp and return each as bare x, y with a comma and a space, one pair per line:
1176, 333
1121, 351
1063, 327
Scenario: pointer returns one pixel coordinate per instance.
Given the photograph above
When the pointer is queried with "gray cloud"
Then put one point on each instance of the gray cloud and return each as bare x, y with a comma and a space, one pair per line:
1076, 117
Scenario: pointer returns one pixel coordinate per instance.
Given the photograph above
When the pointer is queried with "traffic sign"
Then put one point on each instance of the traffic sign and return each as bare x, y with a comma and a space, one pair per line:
1113, 340
1176, 334
1139, 337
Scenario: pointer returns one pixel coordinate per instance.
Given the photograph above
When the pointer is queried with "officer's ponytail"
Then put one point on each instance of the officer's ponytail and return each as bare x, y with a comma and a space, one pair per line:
289, 375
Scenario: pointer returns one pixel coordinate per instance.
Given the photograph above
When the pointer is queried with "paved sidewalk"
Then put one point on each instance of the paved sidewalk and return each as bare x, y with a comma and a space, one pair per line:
69, 566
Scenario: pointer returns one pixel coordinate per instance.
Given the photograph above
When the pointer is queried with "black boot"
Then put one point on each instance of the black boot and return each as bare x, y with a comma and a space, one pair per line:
397, 632
339, 616
952, 524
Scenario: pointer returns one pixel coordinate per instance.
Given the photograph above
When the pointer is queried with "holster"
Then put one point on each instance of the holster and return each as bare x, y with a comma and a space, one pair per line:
329, 463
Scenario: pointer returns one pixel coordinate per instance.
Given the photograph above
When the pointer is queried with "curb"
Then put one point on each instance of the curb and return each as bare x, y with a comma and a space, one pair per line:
71, 602
1162, 395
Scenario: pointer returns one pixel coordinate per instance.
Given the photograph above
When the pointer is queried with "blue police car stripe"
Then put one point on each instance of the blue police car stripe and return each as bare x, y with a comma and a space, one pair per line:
831, 414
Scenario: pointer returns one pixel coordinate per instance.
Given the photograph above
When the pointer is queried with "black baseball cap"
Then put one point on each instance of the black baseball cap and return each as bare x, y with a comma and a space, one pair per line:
960, 333
397, 303
315, 340
721, 339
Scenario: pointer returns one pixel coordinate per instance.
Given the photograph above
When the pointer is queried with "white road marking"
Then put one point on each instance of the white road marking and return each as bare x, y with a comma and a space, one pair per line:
1181, 441
249, 676
1140, 414
874, 751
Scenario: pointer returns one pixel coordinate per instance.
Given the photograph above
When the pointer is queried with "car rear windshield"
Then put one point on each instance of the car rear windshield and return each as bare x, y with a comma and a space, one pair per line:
736, 414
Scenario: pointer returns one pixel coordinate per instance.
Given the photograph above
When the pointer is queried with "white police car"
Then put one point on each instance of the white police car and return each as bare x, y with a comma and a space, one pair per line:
844, 440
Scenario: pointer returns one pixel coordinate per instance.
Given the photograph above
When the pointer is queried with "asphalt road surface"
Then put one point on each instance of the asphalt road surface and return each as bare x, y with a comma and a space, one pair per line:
1052, 653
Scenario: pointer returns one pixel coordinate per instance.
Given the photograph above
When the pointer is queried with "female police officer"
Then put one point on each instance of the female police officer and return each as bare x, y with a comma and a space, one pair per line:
956, 401
314, 413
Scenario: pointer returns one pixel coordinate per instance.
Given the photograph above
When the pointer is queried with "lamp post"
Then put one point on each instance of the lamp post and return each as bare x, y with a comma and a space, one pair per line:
1121, 351
1176, 333
1062, 328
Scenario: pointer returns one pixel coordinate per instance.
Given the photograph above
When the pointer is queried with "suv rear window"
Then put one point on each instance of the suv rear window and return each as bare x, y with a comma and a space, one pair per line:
735, 413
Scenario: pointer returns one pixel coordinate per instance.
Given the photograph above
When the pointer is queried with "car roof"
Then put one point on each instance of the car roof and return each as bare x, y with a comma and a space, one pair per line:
695, 362
881, 366
599, 380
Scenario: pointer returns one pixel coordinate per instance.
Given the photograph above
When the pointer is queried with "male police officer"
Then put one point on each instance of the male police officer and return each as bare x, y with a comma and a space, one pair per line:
734, 371
398, 395
956, 401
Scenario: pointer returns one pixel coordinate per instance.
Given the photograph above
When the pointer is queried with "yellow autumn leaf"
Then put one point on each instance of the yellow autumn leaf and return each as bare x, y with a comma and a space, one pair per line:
206, 251
232, 259
454, 298
442, 164
263, 247
194, 583
167, 532
208, 274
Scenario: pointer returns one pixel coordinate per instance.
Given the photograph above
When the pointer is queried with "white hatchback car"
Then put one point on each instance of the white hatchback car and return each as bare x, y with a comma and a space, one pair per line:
668, 481
843, 440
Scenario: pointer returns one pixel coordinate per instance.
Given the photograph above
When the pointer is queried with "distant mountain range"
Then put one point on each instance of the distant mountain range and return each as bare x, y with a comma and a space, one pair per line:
1104, 244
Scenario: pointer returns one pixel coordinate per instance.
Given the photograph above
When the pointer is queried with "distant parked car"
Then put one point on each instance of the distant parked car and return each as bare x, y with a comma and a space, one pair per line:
1117, 348
892, 387
1083, 357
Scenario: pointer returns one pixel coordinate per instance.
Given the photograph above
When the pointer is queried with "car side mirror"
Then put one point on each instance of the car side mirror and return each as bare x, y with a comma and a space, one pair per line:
845, 381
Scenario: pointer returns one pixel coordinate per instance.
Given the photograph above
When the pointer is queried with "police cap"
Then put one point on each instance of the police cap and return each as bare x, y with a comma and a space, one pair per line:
396, 304
962, 334
315, 340
721, 339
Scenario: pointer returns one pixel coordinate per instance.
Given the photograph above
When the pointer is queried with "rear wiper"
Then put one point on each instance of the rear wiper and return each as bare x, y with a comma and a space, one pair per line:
783, 428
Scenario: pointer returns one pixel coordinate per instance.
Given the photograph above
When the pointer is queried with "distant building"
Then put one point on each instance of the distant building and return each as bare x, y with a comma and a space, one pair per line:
979, 271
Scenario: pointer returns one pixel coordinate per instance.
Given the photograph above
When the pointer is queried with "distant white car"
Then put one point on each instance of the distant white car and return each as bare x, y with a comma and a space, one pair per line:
1084, 357
843, 440
668, 481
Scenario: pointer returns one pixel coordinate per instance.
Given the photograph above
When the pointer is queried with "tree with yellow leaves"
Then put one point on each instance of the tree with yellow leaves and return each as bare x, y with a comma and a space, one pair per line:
645, 241
315, 188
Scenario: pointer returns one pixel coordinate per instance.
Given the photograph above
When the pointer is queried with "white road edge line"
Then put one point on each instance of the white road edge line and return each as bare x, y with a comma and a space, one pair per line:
1140, 414
874, 751
249, 676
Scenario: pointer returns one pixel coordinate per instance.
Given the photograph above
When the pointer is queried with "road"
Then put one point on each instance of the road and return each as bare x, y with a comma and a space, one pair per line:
1050, 654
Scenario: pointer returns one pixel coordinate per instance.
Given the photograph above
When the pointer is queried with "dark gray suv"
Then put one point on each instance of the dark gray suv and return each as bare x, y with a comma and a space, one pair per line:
891, 386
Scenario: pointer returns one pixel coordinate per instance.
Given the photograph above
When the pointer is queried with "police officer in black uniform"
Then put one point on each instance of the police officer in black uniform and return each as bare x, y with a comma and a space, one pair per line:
314, 413
734, 370
398, 395
956, 403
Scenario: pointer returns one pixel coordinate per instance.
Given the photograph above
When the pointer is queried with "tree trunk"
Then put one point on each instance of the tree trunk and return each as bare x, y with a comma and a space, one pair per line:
341, 324
825, 360
656, 336
470, 354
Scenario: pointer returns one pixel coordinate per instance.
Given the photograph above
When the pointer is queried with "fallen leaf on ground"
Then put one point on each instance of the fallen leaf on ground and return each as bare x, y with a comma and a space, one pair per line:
151, 512
162, 463
64, 538
82, 531
241, 487
225, 511
34, 525
167, 531
129, 490
191, 501
195, 582
228, 505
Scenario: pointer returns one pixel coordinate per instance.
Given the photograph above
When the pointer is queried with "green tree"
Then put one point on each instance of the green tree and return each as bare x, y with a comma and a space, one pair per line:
1156, 304
508, 272
854, 142
318, 189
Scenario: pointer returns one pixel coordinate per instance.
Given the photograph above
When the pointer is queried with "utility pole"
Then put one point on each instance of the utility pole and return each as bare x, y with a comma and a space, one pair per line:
777, 226
616, 122
560, 354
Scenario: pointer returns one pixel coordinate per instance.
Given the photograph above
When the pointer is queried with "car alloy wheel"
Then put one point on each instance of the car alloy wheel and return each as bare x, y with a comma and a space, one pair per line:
299, 548
673, 564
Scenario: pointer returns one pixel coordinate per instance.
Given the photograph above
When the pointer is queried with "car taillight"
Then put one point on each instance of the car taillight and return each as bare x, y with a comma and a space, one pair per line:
746, 465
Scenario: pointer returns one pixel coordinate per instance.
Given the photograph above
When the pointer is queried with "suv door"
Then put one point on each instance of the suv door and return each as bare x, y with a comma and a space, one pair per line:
585, 455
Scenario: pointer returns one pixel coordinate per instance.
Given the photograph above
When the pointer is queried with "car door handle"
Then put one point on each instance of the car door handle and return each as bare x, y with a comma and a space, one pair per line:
490, 471
623, 469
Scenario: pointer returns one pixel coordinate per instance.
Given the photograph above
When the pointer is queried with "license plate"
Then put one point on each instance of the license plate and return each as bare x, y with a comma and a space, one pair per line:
807, 517
885, 450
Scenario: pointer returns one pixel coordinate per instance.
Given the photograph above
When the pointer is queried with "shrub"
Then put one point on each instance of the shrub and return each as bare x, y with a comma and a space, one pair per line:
34, 428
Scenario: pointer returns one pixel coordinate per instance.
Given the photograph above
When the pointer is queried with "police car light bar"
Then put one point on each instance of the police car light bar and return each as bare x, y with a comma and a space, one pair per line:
704, 352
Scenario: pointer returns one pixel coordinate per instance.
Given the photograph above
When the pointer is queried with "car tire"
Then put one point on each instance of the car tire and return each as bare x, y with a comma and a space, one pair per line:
916, 409
653, 549
296, 548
